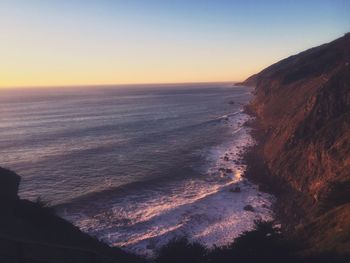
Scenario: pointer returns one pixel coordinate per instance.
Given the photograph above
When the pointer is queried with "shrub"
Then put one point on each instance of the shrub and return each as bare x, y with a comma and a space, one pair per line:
181, 251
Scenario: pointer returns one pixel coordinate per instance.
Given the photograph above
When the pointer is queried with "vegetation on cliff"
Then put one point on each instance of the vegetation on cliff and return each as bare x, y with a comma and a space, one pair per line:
31, 232
302, 104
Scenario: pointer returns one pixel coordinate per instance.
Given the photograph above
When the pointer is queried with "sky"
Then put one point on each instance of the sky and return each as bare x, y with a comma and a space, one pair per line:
84, 42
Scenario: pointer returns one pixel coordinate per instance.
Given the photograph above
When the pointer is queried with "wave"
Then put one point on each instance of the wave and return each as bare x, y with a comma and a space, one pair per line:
136, 171
226, 116
202, 208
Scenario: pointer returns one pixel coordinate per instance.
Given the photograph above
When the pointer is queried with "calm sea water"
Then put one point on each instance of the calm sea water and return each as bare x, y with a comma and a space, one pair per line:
135, 165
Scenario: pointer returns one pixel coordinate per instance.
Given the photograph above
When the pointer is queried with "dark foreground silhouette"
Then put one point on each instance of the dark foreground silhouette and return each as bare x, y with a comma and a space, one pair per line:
263, 244
30, 232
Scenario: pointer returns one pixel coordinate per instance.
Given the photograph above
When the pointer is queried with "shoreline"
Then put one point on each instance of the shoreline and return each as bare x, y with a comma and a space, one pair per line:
224, 216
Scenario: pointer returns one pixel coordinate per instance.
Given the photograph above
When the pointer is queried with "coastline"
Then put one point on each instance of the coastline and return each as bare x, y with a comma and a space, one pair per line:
214, 214
289, 159
205, 202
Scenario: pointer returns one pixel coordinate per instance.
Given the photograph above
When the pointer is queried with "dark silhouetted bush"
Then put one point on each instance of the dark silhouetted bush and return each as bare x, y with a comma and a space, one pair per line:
263, 244
181, 251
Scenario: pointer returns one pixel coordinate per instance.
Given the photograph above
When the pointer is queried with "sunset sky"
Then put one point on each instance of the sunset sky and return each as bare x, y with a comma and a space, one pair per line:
71, 42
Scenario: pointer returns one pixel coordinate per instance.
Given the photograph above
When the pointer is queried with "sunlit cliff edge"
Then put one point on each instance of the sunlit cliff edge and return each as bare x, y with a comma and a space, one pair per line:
302, 105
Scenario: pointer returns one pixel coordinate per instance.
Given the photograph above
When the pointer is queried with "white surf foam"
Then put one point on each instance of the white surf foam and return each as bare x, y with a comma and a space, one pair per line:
202, 209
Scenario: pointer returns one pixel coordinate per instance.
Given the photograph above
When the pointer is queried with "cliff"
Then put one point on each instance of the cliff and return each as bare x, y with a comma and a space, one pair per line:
302, 105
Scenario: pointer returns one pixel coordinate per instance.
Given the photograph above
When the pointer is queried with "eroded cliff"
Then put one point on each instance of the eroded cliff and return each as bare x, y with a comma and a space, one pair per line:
302, 104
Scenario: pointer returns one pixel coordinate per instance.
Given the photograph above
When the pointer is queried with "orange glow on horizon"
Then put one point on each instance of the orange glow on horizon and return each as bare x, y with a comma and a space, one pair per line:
30, 74
65, 43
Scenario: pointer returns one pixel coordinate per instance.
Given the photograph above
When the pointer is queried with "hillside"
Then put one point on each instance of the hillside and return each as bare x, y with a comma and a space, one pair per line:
31, 232
302, 105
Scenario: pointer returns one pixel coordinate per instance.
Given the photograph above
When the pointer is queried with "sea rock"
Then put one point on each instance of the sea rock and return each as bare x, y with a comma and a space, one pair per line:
249, 208
237, 189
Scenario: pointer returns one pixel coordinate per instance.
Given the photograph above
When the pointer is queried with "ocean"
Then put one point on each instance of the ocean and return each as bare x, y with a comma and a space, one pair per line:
136, 165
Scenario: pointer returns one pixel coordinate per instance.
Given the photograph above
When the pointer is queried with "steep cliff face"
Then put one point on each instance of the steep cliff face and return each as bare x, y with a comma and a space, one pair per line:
303, 108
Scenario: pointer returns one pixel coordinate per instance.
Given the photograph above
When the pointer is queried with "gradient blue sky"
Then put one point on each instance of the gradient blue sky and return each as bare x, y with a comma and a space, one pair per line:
71, 42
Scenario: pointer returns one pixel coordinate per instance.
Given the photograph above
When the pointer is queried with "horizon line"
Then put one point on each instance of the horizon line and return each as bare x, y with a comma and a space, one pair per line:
114, 84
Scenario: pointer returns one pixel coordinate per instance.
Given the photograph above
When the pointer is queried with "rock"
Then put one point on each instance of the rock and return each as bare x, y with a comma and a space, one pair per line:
151, 245
221, 169
249, 208
226, 158
237, 189
9, 183
231, 102
245, 182
228, 171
